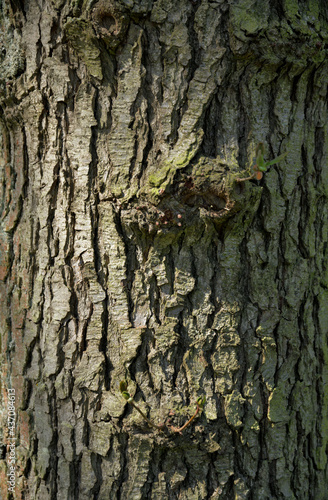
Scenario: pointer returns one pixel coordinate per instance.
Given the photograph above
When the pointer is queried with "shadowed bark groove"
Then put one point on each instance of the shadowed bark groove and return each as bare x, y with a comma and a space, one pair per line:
128, 250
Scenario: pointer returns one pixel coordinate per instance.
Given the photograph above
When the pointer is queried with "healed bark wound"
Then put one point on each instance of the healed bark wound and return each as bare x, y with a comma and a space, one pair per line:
129, 251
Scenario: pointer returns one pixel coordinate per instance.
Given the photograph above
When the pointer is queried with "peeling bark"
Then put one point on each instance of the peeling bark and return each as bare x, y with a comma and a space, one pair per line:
129, 251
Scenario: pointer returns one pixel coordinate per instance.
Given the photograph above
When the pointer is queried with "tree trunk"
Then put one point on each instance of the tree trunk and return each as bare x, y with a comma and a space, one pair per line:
131, 252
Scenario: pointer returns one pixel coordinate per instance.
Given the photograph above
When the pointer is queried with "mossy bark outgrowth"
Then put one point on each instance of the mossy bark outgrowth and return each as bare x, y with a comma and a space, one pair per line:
128, 251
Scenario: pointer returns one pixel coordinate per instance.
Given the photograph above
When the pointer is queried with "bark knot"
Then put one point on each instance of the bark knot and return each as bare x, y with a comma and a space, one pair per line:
110, 23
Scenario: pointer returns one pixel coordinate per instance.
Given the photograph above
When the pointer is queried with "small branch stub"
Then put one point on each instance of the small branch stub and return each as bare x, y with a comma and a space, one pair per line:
199, 407
260, 165
129, 399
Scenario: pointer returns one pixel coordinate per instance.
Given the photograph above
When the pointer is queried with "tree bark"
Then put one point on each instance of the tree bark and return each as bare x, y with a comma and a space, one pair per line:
130, 252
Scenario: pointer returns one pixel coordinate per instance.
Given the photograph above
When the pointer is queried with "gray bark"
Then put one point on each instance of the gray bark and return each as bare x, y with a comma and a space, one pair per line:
130, 252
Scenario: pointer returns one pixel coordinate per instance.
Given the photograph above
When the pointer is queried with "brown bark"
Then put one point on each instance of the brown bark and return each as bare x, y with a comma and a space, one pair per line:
129, 251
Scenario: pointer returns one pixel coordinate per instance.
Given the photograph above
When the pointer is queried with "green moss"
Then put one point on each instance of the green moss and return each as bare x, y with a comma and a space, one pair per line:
81, 37
278, 403
248, 17
291, 8
321, 451
158, 177
234, 409
163, 175
76, 7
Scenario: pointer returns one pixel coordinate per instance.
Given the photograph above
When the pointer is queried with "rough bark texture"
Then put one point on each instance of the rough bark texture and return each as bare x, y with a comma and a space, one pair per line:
129, 251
